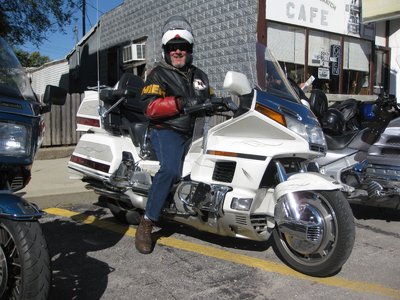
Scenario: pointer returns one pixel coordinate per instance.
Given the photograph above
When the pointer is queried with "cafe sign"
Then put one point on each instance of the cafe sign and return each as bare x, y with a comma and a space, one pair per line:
338, 16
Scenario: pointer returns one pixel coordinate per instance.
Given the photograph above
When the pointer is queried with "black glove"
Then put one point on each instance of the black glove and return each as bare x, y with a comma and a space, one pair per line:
183, 103
223, 104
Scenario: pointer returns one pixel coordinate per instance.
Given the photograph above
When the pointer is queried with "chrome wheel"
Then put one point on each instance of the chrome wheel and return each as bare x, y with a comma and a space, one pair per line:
10, 265
314, 231
3, 271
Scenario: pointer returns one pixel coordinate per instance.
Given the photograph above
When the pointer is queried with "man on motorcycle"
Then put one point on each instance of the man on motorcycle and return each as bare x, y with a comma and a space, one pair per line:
170, 87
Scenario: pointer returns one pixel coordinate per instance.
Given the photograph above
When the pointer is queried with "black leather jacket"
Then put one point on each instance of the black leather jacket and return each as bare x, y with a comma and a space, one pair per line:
164, 85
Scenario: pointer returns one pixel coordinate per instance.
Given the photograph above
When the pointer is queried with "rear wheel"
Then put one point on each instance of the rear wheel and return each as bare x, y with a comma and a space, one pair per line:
24, 261
319, 239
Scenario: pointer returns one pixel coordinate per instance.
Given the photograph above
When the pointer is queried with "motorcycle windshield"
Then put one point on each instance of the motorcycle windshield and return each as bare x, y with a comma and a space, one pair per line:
13, 80
270, 76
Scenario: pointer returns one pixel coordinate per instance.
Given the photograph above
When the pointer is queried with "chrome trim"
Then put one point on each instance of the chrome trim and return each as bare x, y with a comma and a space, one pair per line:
282, 176
301, 223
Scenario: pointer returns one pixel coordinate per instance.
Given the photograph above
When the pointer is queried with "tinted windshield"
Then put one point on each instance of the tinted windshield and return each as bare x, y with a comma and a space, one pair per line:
13, 80
273, 79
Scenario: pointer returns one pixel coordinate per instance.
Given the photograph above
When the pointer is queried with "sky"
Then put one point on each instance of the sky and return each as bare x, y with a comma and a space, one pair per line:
60, 44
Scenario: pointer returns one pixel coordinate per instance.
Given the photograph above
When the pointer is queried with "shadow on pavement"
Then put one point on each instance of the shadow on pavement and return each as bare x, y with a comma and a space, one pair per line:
169, 228
75, 274
376, 213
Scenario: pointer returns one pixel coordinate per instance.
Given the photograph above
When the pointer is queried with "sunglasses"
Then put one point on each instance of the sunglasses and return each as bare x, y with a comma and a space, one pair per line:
183, 47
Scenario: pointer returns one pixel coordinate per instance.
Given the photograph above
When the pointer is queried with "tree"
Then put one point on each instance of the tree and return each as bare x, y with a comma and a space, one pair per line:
33, 59
24, 21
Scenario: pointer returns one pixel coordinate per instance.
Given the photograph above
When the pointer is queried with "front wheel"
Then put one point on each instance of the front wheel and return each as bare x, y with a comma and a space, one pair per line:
24, 261
315, 231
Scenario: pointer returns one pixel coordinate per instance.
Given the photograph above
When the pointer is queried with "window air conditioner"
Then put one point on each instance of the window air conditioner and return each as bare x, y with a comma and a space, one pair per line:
134, 52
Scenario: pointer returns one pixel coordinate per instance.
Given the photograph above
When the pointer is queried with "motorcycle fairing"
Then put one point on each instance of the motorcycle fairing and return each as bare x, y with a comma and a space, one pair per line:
18, 106
16, 208
286, 106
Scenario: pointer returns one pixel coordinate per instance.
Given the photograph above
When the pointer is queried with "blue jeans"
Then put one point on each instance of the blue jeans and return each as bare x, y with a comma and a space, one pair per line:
170, 147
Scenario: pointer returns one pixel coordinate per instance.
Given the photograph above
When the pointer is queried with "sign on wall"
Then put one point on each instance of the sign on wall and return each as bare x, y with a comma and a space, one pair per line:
338, 16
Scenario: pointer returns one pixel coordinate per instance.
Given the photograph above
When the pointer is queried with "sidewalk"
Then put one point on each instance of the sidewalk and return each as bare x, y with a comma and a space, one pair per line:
51, 186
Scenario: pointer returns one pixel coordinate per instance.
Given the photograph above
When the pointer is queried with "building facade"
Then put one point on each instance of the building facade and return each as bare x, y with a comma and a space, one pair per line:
225, 34
349, 48
325, 39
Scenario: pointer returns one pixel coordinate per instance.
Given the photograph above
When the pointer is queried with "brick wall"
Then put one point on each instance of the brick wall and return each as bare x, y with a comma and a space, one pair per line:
224, 31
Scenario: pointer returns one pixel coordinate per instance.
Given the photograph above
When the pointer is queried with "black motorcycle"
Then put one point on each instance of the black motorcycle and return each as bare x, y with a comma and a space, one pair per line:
24, 259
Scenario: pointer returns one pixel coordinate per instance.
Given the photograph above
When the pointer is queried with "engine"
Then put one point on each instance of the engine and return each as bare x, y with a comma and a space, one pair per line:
200, 199
382, 180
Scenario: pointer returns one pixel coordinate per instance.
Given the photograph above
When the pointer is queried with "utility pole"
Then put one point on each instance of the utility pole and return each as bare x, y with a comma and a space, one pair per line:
83, 17
75, 30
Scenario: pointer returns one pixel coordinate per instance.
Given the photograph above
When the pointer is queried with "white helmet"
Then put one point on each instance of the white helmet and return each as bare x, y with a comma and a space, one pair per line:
177, 27
177, 30
177, 34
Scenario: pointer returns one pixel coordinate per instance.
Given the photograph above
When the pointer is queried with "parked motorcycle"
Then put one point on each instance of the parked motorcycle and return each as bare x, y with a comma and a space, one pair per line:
24, 259
361, 148
245, 177
383, 169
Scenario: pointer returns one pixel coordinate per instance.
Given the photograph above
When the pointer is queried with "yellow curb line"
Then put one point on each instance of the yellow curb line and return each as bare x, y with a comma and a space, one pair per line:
358, 286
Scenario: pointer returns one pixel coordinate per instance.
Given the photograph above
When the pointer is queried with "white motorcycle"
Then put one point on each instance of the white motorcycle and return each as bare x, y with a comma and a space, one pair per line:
245, 177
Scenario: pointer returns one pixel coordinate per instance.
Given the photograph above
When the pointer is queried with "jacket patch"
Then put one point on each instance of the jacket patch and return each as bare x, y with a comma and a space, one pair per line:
153, 89
199, 85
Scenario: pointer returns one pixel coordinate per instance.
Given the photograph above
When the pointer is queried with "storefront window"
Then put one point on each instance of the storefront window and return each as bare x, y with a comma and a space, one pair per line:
381, 83
324, 61
356, 66
287, 43
325, 54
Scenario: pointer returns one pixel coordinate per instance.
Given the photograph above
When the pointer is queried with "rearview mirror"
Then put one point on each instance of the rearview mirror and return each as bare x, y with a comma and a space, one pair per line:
237, 83
54, 95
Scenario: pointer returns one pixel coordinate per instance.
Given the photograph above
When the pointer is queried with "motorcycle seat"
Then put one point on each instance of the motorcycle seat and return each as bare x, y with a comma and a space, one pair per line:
318, 103
341, 141
138, 132
349, 108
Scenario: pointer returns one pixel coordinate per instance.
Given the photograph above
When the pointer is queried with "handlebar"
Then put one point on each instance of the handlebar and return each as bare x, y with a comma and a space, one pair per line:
206, 106
212, 105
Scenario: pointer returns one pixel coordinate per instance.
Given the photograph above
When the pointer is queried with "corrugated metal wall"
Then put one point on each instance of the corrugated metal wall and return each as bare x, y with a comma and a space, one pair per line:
61, 121
51, 73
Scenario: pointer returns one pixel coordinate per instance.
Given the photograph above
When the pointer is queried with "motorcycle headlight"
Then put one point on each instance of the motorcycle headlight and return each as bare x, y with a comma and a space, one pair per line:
311, 133
15, 139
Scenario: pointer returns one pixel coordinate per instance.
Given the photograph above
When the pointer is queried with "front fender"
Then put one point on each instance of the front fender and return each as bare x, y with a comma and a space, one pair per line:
310, 181
16, 208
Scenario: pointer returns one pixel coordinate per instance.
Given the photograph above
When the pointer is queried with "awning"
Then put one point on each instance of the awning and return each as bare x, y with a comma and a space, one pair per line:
373, 10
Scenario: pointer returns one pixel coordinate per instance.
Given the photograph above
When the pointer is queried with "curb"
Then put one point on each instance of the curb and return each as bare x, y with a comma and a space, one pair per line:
60, 200
54, 152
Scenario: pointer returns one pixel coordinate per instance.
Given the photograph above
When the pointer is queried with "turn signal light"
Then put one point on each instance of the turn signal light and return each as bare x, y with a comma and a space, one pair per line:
278, 117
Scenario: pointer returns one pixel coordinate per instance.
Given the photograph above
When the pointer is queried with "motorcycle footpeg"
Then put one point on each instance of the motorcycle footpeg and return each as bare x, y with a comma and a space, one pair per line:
120, 182
170, 211
375, 190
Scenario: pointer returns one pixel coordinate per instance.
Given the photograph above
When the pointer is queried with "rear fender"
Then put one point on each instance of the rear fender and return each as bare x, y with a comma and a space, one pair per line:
16, 208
